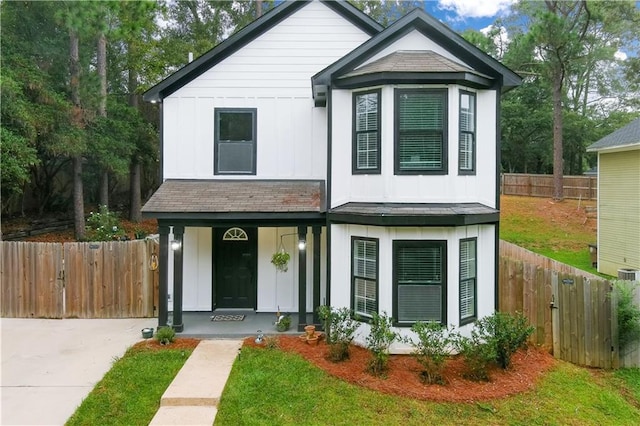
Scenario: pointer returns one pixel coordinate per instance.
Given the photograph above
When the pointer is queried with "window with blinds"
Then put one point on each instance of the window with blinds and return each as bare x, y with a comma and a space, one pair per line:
467, 139
364, 255
468, 270
421, 123
366, 132
235, 141
420, 285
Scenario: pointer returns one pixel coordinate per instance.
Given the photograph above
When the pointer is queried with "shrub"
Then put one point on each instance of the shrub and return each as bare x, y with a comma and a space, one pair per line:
165, 335
478, 356
103, 225
378, 341
340, 326
628, 313
432, 349
505, 332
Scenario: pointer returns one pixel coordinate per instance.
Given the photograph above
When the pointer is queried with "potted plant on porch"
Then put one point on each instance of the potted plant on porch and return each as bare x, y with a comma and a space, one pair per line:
281, 260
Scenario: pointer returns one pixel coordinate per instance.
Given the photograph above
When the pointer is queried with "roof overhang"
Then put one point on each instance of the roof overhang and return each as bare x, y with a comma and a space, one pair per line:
414, 214
616, 148
468, 79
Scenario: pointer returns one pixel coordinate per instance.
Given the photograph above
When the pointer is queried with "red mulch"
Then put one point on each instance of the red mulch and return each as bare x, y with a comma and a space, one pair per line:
403, 376
179, 343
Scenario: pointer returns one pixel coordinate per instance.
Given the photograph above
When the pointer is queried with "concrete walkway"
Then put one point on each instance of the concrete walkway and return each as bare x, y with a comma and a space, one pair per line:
193, 396
49, 366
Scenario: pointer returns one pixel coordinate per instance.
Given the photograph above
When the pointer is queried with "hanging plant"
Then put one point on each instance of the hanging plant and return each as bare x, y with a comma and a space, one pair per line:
281, 260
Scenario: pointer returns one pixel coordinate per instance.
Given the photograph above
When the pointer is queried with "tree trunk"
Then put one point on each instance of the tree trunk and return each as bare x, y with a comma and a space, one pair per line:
102, 112
74, 82
135, 168
558, 185
258, 8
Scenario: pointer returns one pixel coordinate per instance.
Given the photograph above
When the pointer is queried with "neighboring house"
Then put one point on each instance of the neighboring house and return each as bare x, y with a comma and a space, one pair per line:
619, 199
375, 149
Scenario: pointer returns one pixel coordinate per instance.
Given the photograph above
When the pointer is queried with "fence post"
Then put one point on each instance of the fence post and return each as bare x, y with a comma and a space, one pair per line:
555, 317
615, 346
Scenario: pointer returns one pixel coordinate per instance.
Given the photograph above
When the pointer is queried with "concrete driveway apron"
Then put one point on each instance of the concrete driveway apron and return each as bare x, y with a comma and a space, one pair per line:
50, 366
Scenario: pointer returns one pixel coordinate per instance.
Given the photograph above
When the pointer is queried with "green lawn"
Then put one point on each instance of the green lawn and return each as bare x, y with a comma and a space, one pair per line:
272, 387
129, 394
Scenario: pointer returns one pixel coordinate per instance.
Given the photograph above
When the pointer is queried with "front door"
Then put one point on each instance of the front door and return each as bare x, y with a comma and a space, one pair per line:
236, 263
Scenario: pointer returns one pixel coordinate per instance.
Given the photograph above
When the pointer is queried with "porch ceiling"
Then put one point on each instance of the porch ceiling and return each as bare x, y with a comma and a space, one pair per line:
237, 199
414, 214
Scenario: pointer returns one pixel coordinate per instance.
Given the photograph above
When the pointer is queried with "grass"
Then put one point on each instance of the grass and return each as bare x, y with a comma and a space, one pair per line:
129, 394
273, 387
630, 379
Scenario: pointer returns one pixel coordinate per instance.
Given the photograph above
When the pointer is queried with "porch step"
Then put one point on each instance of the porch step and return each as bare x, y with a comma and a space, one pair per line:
194, 394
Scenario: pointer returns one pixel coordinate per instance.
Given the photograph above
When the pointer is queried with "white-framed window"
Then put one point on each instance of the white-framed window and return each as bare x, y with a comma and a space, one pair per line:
421, 131
419, 281
235, 141
364, 275
366, 132
468, 285
467, 139
235, 234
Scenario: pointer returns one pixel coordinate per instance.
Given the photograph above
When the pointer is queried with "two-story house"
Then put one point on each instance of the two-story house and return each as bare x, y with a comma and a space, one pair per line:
369, 154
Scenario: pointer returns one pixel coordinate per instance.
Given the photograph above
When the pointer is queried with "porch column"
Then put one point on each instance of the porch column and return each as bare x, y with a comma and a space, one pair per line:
302, 279
163, 285
316, 272
178, 232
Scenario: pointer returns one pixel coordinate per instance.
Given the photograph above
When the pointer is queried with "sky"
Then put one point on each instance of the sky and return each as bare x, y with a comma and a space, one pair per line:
464, 14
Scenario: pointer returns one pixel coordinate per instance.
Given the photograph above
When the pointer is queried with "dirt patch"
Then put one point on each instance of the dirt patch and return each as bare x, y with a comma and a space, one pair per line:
149, 226
154, 345
403, 377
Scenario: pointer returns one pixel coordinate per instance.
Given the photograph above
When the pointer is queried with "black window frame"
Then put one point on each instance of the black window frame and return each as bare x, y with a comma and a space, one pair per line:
354, 135
398, 170
397, 244
474, 317
217, 141
364, 316
473, 133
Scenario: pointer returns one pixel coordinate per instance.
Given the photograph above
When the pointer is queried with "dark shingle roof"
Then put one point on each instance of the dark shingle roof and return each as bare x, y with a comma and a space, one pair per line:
236, 196
411, 61
627, 135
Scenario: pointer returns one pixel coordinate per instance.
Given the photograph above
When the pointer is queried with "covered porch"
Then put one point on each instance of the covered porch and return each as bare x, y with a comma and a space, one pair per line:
238, 272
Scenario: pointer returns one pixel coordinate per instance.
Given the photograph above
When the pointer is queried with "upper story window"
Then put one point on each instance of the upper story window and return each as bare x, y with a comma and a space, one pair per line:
421, 131
235, 141
366, 132
467, 142
419, 281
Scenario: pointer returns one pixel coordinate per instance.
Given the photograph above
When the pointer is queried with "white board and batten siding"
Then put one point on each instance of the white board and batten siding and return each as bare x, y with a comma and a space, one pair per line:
341, 271
387, 187
618, 211
272, 74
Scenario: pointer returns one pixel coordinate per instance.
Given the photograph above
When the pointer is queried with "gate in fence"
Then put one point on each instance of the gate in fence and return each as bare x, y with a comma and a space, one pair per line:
78, 280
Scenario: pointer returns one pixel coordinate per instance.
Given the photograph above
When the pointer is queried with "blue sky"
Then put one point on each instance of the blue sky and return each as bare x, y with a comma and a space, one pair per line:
464, 14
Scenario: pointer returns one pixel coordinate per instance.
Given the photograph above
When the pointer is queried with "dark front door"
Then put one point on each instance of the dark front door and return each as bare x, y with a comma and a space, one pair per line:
235, 265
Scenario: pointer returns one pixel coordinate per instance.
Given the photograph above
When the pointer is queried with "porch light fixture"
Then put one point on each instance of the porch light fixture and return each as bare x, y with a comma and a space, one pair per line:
302, 244
175, 245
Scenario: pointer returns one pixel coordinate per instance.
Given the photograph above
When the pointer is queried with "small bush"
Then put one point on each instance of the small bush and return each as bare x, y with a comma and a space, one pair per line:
271, 342
478, 356
628, 313
432, 349
165, 335
506, 333
379, 340
103, 225
339, 326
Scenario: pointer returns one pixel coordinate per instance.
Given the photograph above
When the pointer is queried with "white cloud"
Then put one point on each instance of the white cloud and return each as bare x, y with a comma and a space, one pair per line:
501, 40
620, 55
476, 8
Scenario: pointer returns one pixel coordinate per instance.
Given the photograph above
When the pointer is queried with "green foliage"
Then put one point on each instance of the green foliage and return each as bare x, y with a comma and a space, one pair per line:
432, 348
283, 323
478, 356
130, 393
165, 335
104, 225
380, 338
628, 313
281, 260
505, 333
340, 326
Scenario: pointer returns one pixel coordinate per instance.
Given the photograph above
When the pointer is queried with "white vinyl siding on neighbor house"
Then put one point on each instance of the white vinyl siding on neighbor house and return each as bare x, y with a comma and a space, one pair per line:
386, 186
341, 273
271, 74
618, 211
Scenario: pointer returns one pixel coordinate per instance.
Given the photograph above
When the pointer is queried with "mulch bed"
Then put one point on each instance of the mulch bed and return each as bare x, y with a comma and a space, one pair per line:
179, 343
403, 376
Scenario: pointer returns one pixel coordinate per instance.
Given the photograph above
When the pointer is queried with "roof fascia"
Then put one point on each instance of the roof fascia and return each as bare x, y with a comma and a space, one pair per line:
467, 79
413, 220
419, 20
247, 34
614, 148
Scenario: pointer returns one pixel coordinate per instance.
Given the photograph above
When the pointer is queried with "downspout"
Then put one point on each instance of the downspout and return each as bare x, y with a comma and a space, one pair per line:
327, 301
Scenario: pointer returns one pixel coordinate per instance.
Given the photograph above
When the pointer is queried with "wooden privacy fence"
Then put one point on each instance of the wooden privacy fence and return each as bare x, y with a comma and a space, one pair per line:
583, 187
572, 311
78, 280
